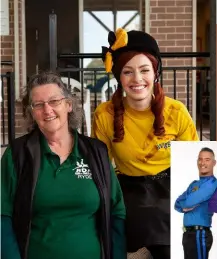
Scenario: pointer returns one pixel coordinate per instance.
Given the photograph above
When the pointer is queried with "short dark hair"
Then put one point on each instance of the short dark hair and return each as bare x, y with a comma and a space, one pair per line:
207, 149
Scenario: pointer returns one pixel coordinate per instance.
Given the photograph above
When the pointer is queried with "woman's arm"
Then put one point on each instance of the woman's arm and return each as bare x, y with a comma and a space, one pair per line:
9, 246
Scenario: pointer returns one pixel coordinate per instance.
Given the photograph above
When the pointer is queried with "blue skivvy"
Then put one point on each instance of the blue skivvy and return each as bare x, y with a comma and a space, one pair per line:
197, 195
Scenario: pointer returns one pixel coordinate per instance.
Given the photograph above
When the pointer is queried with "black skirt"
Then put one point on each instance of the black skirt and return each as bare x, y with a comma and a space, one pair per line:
147, 201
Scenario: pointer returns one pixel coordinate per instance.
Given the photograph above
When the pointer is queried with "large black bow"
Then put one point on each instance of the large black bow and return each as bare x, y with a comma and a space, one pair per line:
104, 51
111, 40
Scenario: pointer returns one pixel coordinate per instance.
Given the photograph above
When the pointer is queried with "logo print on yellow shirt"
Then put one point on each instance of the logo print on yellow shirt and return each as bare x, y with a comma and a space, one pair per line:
82, 170
164, 145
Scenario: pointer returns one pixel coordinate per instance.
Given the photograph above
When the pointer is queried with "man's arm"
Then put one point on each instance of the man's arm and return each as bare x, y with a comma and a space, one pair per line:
179, 202
204, 193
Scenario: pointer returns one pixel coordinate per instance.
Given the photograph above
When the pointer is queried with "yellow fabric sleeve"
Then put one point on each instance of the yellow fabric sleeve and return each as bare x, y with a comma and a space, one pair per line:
187, 128
99, 131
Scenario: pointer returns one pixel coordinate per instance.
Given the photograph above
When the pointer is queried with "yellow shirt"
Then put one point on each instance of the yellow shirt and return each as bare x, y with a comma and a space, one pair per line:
141, 152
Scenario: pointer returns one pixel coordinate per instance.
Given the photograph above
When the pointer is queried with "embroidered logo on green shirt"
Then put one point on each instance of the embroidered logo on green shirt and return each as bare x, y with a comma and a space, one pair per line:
82, 170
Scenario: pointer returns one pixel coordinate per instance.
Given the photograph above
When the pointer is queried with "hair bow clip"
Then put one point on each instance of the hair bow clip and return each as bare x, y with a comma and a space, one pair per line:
120, 42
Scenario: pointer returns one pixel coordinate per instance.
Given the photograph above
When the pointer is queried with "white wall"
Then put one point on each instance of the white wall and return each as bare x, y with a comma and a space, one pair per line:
183, 172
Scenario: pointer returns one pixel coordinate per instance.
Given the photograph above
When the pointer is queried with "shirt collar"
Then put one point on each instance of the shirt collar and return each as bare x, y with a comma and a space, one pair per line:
45, 149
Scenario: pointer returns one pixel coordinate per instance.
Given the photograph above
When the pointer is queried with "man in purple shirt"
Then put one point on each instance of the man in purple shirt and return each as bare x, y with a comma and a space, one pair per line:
212, 205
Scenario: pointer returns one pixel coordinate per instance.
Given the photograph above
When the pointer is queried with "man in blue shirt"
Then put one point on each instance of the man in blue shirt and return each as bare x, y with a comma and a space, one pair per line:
197, 237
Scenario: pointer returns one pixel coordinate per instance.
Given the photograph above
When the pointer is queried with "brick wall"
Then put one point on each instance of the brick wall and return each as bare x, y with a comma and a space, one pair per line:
7, 54
7, 42
171, 25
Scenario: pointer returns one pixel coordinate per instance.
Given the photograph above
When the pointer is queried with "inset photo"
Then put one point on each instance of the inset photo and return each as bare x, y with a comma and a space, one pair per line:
193, 200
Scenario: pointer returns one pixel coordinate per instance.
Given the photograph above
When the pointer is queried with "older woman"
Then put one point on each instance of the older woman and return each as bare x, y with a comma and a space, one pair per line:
137, 129
60, 196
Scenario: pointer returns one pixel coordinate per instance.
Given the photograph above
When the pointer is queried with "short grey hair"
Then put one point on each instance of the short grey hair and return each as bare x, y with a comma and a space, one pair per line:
46, 77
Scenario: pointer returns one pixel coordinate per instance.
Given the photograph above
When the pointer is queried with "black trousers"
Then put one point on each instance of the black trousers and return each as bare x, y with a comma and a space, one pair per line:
197, 244
159, 251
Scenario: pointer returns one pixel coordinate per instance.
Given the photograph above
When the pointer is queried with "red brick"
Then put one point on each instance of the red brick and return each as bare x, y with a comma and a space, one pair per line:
166, 16
175, 9
188, 36
160, 37
168, 82
7, 38
185, 43
176, 62
158, 9
170, 95
182, 95
153, 16
162, 49
182, 82
184, 29
188, 49
7, 52
166, 30
166, 3
188, 9
153, 30
184, 3
6, 58
164, 62
173, 36
6, 45
175, 23
188, 62
158, 23
175, 49
166, 43
181, 89
179, 74
188, 23
153, 3
186, 16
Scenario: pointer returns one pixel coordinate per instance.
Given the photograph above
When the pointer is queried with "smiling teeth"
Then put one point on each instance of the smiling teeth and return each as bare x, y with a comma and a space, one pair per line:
138, 87
50, 119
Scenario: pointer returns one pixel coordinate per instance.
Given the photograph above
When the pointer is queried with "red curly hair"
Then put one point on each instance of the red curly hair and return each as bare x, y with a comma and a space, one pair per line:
157, 103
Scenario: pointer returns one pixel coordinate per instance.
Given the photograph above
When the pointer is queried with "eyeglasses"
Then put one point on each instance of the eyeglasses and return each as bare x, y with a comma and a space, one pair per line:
52, 103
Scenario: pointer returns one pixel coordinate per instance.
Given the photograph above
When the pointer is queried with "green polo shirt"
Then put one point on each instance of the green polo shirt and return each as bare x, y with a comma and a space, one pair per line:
65, 204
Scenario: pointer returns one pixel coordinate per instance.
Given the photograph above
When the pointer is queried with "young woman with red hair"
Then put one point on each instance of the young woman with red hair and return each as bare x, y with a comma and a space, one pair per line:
137, 130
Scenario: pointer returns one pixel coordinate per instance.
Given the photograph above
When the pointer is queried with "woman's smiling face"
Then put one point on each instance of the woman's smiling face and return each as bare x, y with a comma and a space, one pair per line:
137, 78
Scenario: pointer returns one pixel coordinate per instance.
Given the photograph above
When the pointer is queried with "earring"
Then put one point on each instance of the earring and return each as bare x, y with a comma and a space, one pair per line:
153, 96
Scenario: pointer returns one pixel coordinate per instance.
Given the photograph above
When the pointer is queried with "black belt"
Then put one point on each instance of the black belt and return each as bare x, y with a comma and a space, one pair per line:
193, 228
161, 175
